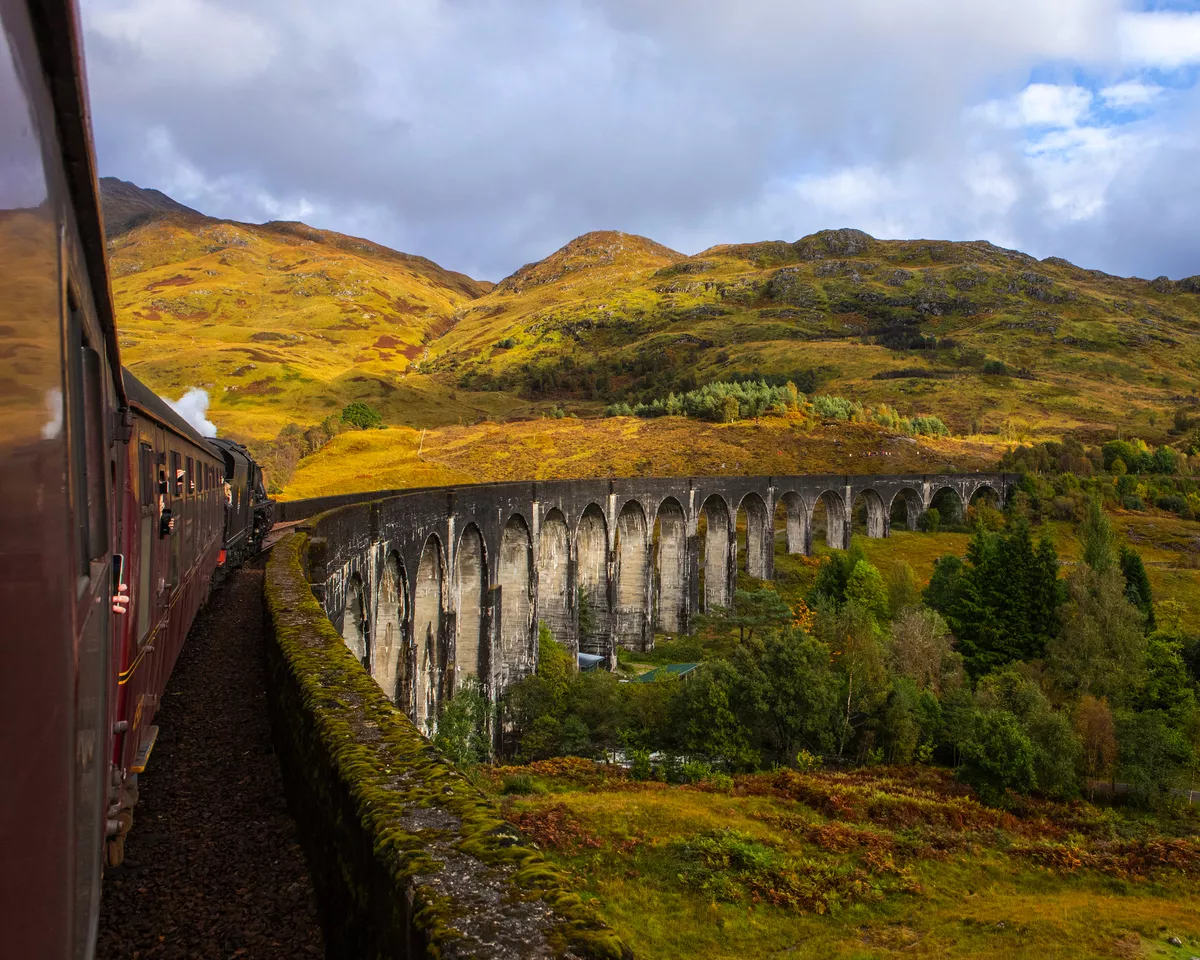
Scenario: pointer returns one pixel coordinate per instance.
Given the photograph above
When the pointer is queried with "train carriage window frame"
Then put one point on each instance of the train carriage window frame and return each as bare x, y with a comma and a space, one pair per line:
173, 476
145, 474
144, 600
86, 440
190, 476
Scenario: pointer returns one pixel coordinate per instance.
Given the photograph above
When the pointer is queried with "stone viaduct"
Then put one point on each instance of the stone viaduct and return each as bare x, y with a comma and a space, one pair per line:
430, 586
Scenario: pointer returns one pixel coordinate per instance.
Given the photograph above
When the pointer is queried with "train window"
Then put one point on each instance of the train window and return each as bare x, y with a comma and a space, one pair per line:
85, 389
176, 475
191, 476
75, 414
145, 475
93, 400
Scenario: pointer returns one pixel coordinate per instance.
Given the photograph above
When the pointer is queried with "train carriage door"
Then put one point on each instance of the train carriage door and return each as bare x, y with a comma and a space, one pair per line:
87, 443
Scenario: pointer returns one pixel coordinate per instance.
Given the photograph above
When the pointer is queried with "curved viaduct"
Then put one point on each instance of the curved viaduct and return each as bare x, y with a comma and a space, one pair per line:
430, 586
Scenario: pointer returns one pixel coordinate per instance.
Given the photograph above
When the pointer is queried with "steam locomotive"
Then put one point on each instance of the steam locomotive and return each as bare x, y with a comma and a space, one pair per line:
116, 516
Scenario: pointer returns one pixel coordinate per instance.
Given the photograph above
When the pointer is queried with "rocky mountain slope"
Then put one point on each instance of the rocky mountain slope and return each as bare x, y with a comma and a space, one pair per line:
280, 322
977, 334
283, 323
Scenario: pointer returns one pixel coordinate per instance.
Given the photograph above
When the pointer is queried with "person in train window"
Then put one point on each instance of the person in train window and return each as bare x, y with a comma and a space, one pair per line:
166, 522
228, 495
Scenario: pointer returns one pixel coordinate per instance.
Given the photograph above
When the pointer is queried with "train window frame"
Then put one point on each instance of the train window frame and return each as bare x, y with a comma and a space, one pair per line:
95, 440
77, 451
86, 440
190, 476
145, 474
174, 477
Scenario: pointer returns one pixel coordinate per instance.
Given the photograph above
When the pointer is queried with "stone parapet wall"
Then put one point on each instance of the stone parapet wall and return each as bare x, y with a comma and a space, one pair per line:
408, 858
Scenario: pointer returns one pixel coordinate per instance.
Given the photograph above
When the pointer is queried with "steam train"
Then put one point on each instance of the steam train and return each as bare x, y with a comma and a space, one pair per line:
116, 516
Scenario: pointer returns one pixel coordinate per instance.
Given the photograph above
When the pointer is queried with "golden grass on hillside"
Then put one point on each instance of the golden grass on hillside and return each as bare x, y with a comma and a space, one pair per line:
624, 447
1100, 351
285, 324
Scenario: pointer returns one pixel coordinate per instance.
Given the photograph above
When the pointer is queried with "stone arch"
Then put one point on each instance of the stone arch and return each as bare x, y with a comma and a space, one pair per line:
791, 517
669, 539
984, 498
515, 571
868, 514
354, 619
905, 508
428, 603
714, 545
390, 650
755, 543
470, 596
949, 504
554, 587
591, 552
632, 555
988, 492
829, 515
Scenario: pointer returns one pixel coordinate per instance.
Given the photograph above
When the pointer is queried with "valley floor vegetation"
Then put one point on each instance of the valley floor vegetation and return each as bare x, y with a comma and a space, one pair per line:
992, 757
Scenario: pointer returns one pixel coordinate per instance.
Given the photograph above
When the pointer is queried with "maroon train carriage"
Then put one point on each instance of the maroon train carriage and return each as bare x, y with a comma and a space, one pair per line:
173, 497
104, 492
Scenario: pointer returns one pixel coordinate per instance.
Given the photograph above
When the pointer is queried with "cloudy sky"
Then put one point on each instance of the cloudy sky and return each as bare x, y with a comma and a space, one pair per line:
487, 133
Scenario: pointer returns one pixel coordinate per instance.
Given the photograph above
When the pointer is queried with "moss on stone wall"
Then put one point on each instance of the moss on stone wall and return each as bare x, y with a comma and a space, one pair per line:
408, 858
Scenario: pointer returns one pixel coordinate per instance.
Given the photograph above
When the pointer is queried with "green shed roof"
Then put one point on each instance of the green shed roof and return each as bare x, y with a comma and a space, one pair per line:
666, 671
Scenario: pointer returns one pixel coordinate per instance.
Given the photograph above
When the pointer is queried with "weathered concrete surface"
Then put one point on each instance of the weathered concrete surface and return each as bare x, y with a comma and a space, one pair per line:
407, 857
473, 569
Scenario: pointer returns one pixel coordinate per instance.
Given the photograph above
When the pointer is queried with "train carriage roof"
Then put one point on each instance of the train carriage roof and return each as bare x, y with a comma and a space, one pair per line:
142, 396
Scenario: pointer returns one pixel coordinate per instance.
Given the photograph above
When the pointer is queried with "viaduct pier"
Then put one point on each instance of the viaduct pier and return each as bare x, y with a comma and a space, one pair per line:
430, 586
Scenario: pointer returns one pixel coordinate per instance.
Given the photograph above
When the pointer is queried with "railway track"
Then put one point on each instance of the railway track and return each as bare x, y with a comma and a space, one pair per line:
213, 868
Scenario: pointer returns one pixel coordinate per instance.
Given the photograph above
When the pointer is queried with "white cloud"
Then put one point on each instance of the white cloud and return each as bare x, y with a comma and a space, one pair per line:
484, 133
1038, 105
185, 39
1165, 39
1130, 93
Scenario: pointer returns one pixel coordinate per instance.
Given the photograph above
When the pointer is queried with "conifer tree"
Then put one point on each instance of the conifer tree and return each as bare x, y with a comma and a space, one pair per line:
1137, 584
1005, 599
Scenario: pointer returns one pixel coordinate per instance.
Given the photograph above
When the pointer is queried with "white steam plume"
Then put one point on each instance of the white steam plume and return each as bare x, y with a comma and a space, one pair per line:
193, 407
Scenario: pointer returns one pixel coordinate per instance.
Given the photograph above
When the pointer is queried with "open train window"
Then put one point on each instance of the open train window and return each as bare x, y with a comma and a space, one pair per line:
191, 476
176, 475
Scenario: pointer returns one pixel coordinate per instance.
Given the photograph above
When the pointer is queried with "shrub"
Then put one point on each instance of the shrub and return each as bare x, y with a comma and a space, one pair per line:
462, 728
1174, 503
837, 408
696, 771
997, 756
1133, 503
507, 343
520, 783
362, 415
1152, 755
930, 520
806, 761
639, 764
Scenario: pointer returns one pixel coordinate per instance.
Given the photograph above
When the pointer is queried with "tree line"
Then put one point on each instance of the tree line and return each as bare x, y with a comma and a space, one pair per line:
1021, 673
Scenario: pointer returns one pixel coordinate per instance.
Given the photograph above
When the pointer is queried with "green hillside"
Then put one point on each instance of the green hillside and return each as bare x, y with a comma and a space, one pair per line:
982, 336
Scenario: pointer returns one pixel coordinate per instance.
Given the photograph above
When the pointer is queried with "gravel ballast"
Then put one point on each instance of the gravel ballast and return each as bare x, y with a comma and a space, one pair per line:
212, 865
